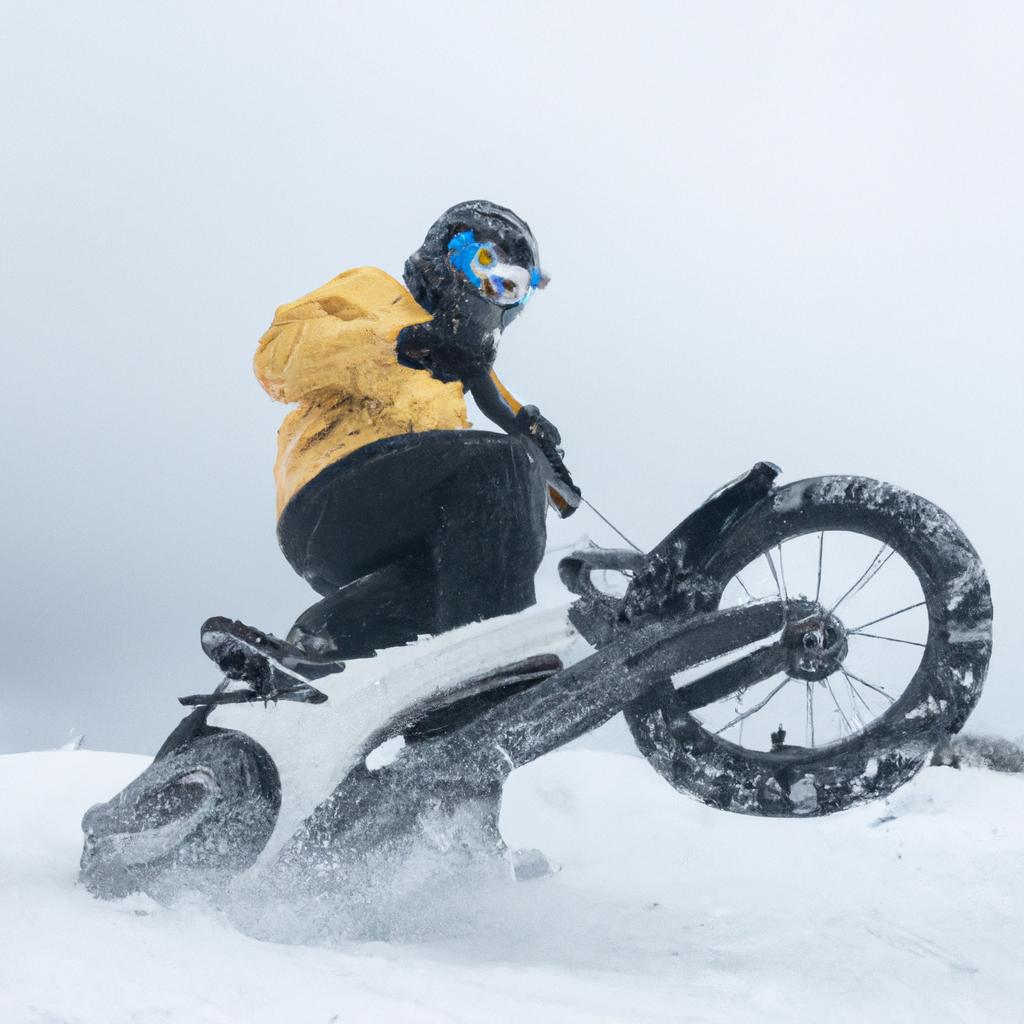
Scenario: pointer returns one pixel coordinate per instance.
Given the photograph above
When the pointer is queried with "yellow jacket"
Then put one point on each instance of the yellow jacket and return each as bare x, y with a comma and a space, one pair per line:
333, 352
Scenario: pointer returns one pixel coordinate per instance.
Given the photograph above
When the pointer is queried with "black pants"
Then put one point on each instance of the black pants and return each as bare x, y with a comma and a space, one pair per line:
415, 534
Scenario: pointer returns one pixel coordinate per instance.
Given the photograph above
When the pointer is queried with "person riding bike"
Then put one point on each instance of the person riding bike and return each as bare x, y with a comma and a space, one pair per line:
403, 519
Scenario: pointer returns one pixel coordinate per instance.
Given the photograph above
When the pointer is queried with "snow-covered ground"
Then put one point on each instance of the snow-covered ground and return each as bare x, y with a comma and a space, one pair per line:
662, 910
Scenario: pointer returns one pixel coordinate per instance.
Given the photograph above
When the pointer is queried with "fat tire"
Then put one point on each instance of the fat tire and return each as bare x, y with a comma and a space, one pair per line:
822, 780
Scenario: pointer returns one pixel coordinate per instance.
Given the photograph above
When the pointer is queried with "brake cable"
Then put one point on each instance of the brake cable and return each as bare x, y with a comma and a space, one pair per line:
611, 524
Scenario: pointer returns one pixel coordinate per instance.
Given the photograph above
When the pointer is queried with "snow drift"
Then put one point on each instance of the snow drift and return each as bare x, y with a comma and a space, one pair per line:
662, 909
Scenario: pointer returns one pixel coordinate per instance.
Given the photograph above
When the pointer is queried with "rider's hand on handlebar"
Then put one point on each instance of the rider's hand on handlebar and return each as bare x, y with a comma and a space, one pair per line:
565, 497
530, 421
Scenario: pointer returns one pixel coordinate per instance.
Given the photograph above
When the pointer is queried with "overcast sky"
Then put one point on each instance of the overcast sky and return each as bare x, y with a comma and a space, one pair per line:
783, 231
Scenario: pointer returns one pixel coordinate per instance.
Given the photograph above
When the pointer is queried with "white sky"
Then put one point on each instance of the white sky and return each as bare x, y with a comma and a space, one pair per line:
783, 231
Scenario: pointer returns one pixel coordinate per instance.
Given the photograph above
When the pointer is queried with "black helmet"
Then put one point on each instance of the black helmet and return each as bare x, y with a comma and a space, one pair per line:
474, 272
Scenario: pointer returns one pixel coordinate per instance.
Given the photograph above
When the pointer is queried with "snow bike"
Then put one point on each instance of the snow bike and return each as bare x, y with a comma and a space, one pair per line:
877, 659
753, 621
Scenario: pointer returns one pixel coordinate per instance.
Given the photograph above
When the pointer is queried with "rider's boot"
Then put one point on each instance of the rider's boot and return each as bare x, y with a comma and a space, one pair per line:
235, 647
273, 668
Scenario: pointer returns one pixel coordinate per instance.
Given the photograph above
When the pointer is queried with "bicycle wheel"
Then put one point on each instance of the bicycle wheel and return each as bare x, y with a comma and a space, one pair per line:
890, 653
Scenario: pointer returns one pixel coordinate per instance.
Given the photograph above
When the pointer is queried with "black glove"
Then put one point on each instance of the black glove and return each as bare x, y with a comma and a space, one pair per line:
529, 421
545, 435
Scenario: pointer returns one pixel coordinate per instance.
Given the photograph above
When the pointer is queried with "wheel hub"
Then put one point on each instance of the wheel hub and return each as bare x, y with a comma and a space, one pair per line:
815, 642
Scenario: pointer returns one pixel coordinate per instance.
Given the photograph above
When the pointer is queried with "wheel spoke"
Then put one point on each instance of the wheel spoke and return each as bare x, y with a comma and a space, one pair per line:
874, 572
821, 552
891, 639
891, 615
871, 686
842, 714
856, 710
809, 731
853, 702
778, 586
753, 708
866, 576
855, 691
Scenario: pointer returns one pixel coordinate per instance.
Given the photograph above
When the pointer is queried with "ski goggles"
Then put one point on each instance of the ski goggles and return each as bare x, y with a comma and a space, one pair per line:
482, 263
